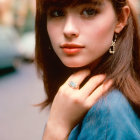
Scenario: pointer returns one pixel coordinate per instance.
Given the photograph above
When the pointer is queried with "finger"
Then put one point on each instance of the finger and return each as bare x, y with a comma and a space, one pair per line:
92, 84
98, 93
78, 77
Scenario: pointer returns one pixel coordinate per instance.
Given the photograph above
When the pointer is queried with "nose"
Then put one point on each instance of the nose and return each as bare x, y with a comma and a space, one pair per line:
71, 29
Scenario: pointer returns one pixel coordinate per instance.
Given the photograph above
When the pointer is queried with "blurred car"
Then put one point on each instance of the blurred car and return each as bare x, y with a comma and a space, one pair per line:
9, 55
27, 46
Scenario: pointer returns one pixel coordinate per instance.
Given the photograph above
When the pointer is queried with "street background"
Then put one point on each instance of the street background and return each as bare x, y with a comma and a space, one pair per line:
21, 89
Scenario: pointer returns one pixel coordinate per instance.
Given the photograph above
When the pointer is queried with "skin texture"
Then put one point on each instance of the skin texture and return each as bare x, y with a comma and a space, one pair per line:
74, 103
72, 28
70, 105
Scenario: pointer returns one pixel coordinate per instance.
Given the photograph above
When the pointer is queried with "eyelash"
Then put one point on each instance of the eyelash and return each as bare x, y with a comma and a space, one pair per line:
57, 13
86, 12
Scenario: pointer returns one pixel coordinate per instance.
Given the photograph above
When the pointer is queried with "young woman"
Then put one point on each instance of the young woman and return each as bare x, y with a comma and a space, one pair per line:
88, 54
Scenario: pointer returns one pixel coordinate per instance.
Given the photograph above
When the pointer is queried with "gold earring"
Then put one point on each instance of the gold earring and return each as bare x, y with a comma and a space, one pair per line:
113, 45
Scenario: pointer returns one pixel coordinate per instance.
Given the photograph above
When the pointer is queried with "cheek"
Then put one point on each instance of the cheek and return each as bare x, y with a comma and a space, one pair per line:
106, 29
50, 30
54, 32
103, 33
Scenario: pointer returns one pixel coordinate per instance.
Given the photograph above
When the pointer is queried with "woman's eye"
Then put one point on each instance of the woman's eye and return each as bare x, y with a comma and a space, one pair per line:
89, 12
57, 13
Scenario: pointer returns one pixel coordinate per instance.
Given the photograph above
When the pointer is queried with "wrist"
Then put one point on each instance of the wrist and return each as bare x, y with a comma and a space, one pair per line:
55, 131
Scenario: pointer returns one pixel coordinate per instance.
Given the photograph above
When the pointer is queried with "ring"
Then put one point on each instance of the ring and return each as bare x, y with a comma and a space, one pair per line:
73, 85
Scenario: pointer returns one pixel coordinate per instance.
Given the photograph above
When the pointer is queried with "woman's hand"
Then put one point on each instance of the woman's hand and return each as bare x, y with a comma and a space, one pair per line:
71, 104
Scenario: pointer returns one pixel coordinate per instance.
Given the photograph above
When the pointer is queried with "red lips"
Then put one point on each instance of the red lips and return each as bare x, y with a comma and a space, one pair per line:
71, 48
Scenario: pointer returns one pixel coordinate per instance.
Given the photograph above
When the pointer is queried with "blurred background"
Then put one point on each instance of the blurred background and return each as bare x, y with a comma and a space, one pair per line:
20, 86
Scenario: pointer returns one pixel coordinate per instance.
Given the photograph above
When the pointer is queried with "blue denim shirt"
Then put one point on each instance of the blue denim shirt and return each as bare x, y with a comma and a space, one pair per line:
112, 118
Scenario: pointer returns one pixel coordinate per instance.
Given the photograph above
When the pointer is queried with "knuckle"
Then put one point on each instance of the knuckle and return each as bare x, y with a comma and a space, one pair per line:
77, 100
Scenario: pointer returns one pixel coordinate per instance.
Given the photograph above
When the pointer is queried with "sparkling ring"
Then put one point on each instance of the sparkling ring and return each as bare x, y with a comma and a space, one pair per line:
73, 85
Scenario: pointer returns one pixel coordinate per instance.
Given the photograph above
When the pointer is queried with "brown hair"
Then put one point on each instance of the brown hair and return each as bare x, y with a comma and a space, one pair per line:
123, 66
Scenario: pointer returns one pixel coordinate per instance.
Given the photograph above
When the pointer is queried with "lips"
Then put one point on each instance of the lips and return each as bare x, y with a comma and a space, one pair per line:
71, 48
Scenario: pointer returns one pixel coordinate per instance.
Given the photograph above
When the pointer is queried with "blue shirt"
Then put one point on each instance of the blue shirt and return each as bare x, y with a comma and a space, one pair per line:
111, 118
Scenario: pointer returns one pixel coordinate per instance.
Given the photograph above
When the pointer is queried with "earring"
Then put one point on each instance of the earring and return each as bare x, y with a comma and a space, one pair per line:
113, 45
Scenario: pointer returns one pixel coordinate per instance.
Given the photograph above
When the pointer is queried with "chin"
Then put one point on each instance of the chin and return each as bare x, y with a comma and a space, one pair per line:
82, 65
75, 65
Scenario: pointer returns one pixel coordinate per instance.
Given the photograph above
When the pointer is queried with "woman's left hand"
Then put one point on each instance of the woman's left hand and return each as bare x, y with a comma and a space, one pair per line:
71, 104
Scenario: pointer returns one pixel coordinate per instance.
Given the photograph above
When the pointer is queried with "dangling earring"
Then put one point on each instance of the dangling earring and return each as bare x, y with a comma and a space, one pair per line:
113, 45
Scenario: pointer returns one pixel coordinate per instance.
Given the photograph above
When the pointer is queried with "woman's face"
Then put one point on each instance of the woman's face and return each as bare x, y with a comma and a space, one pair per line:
80, 35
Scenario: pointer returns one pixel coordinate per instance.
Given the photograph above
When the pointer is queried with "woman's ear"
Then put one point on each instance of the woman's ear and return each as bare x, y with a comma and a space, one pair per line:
122, 19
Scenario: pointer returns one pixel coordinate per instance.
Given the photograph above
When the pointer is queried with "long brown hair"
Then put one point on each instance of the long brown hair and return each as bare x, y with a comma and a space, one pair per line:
123, 66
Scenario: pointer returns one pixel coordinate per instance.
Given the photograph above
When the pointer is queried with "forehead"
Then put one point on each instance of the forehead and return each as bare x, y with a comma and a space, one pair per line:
64, 3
